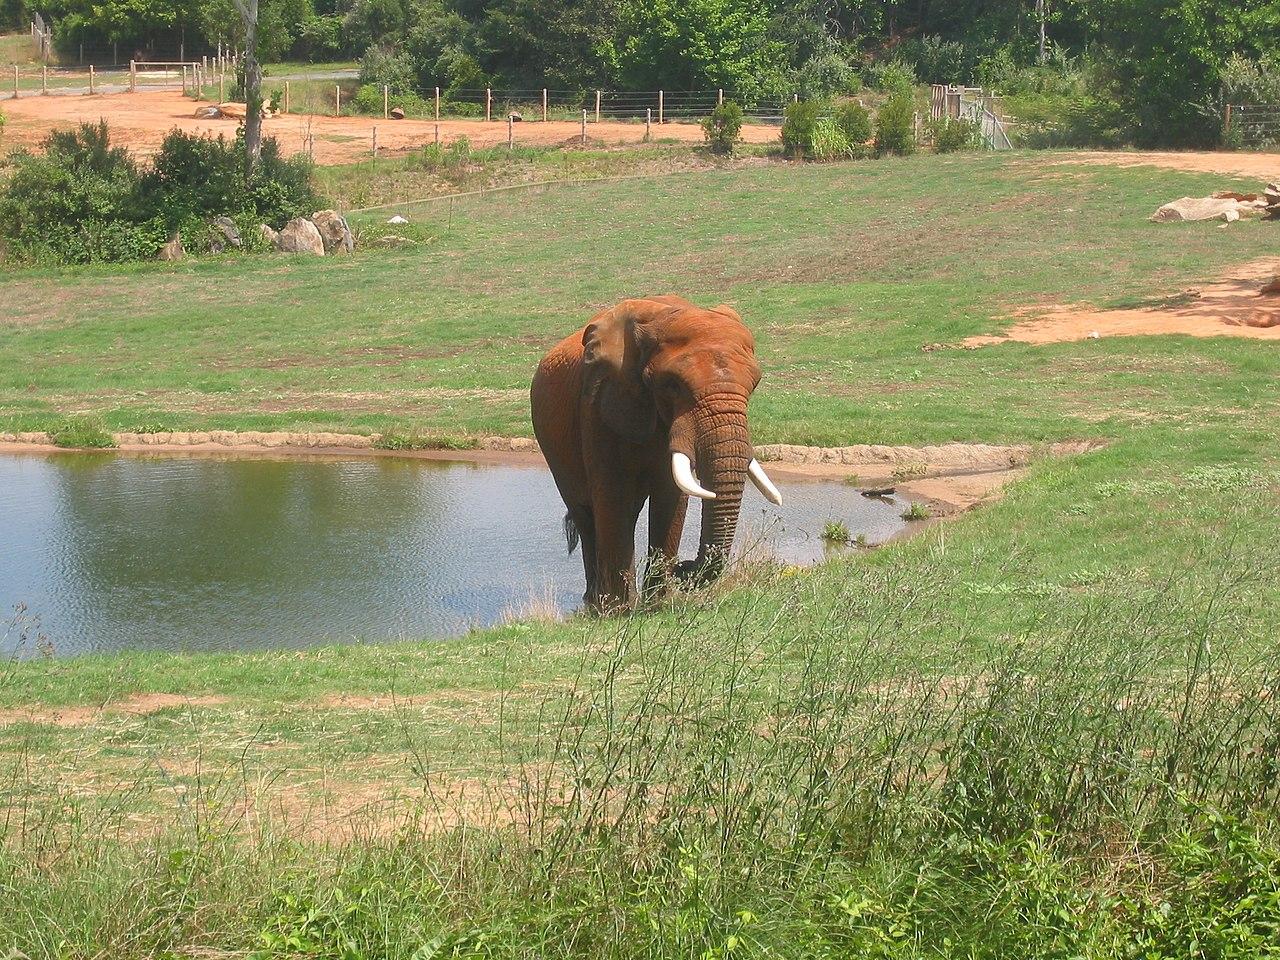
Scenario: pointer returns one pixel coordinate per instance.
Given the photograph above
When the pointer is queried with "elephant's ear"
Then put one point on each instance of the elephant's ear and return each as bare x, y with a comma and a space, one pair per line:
614, 355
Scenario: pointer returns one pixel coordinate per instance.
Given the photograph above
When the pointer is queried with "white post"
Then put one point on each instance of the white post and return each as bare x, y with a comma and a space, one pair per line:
286, 96
337, 99
44, 79
660, 107
15, 81
385, 95
597, 106
720, 97
184, 79
511, 131
437, 113
544, 104
91, 79
375, 141
133, 76
648, 121
222, 86
584, 128
488, 105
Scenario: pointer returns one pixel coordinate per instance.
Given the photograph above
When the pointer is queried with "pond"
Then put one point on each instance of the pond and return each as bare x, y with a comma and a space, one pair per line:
105, 552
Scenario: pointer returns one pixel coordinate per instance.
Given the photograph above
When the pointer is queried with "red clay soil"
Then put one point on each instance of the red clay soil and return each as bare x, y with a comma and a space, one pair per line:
1231, 307
141, 120
1264, 167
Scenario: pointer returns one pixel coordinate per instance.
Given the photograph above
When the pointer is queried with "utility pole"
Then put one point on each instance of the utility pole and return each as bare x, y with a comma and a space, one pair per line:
248, 10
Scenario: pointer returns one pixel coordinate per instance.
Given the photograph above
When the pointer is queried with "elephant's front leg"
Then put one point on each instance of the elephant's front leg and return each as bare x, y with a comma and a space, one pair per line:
616, 510
667, 507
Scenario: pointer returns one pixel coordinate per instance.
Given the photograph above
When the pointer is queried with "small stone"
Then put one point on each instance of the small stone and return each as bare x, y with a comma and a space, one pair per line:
398, 219
397, 113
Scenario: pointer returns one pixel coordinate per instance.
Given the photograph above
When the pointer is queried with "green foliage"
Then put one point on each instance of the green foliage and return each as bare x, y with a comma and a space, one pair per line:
917, 511
723, 127
84, 201
895, 132
88, 433
950, 134
413, 440
828, 141
935, 60
892, 76
798, 122
1083, 121
854, 121
835, 531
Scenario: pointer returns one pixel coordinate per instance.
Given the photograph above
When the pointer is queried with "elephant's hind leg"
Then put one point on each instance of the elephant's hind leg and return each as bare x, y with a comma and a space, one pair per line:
584, 523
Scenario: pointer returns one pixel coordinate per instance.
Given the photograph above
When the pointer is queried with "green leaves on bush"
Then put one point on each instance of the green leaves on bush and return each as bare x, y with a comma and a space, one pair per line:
798, 122
895, 132
854, 121
723, 127
84, 201
952, 133
829, 141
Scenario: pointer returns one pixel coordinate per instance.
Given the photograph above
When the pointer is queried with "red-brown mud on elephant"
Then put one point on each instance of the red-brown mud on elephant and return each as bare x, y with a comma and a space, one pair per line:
1230, 307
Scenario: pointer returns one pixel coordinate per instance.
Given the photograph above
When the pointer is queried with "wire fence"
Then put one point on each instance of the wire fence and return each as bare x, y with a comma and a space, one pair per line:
1255, 125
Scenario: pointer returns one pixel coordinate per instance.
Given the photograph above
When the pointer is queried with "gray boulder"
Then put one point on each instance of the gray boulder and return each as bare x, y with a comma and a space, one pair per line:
1202, 208
230, 234
334, 231
300, 236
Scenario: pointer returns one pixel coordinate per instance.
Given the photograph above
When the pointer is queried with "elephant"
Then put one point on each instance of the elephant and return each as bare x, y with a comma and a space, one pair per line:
648, 402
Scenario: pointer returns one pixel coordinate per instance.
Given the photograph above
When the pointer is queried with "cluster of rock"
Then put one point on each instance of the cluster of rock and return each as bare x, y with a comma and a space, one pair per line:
1226, 205
324, 233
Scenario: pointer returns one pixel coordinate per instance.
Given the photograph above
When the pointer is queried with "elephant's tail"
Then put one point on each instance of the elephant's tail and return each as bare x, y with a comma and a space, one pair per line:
570, 532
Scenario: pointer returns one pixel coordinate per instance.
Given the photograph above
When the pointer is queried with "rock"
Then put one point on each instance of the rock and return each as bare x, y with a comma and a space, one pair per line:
397, 219
230, 232
269, 235
397, 113
334, 231
207, 113
172, 250
1199, 208
232, 111
514, 117
300, 236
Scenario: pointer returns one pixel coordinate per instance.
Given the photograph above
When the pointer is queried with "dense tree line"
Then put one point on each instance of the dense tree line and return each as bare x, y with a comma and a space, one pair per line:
1157, 70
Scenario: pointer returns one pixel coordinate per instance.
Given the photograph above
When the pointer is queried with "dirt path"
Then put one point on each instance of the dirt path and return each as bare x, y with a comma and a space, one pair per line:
1258, 166
1230, 307
141, 120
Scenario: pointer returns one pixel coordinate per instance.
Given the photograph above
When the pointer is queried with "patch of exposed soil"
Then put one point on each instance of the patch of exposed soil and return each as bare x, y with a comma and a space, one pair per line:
137, 705
1231, 307
1258, 166
140, 121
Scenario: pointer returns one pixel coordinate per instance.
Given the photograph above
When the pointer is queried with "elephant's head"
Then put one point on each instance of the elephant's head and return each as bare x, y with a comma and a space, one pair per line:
666, 372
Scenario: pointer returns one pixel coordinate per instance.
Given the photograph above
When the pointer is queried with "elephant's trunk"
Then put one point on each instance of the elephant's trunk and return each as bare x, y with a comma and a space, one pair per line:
722, 444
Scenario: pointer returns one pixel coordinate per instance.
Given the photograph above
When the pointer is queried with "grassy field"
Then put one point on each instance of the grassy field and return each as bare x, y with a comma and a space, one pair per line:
1048, 728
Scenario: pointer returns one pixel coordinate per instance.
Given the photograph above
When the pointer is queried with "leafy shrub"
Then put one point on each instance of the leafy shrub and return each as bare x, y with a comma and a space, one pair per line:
829, 141
895, 132
854, 121
798, 121
1251, 81
368, 100
1085, 121
951, 134
380, 66
936, 60
892, 76
723, 127
84, 201
82, 433
827, 74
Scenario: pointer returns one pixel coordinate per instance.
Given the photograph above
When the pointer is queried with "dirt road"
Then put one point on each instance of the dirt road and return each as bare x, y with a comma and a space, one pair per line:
141, 120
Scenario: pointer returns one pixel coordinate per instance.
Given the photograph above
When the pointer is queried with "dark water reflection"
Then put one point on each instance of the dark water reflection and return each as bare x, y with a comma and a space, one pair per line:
112, 552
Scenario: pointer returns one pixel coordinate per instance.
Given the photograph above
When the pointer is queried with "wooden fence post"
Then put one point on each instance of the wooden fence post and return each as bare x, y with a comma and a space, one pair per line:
133, 76
1226, 121
385, 96
184, 79
511, 131
437, 113
286, 96
720, 97
584, 128
544, 104
597, 106
375, 142
15, 81
660, 105
437, 134
648, 122
44, 79
91, 85
337, 99
488, 105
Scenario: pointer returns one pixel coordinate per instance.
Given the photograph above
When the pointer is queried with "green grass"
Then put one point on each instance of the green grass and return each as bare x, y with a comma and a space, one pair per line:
1045, 728
84, 433
917, 511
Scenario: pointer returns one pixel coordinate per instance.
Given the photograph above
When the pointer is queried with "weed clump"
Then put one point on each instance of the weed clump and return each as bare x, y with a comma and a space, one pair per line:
835, 531
895, 132
917, 511
85, 433
413, 440
723, 127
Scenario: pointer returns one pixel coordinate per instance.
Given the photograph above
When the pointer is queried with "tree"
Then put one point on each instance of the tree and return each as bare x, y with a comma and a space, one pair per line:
248, 10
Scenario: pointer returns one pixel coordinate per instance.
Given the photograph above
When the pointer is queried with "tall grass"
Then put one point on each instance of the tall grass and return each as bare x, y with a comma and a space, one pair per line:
777, 771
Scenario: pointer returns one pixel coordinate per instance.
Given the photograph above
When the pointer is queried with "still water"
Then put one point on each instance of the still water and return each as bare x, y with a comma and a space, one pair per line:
108, 552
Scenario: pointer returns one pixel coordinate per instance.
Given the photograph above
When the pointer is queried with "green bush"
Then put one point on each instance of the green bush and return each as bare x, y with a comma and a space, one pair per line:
854, 122
798, 121
84, 201
368, 100
723, 127
895, 131
829, 141
951, 134
892, 76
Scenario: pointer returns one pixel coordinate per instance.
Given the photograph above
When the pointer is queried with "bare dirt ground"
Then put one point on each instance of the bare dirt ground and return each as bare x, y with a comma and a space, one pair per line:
1230, 307
1260, 166
141, 120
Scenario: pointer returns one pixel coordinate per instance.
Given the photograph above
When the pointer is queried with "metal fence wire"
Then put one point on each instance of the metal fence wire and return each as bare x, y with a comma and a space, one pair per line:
1253, 124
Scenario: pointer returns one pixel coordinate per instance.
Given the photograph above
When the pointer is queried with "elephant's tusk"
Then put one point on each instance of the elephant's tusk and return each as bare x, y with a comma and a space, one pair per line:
763, 483
682, 471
